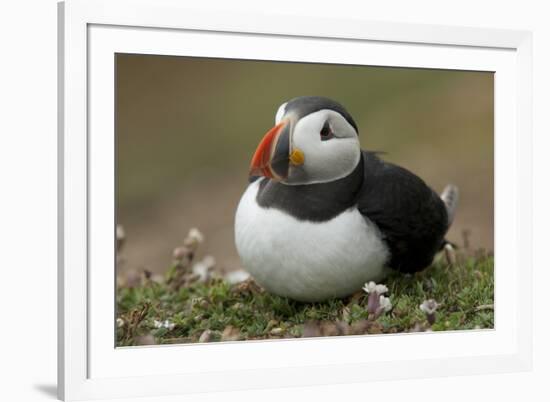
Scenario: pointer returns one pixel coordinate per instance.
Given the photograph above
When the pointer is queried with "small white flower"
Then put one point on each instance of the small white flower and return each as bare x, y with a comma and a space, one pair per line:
385, 304
203, 267
164, 324
371, 287
429, 306
381, 289
237, 276
196, 235
119, 322
120, 236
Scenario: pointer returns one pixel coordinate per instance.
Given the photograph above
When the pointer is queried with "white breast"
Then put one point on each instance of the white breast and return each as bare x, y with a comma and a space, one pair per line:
307, 261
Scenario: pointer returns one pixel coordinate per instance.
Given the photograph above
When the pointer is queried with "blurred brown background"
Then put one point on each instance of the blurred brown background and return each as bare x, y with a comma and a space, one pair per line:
186, 129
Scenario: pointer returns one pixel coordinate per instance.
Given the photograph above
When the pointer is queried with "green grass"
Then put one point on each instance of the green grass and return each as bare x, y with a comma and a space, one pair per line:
245, 311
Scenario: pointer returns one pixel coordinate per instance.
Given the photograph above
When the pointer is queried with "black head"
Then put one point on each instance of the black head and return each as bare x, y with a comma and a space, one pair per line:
304, 105
315, 140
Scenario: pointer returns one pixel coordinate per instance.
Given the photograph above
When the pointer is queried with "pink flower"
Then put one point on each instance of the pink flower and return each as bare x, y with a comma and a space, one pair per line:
377, 304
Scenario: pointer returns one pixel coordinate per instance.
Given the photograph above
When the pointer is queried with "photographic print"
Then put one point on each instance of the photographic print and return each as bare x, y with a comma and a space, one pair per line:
262, 200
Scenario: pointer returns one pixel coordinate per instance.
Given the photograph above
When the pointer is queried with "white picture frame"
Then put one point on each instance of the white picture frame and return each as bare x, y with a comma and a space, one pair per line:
90, 32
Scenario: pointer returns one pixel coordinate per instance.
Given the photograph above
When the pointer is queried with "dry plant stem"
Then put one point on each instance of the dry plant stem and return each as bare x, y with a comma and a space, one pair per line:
466, 238
431, 318
373, 304
485, 307
135, 318
450, 255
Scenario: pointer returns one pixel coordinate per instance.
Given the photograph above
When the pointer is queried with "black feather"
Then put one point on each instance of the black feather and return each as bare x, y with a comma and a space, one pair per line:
312, 202
410, 215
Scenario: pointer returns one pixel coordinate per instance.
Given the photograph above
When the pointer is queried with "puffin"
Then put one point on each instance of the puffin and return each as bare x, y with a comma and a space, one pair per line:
320, 217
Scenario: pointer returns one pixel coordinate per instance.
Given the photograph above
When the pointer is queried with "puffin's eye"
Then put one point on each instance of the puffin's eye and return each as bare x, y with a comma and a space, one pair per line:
326, 132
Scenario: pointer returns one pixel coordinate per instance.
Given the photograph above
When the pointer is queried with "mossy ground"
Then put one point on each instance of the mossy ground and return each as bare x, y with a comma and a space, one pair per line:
153, 312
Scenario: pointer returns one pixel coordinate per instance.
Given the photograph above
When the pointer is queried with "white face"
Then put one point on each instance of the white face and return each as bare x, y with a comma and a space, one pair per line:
330, 146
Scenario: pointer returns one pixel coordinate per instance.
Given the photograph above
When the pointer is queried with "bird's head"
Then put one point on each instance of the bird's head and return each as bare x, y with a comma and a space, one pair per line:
314, 140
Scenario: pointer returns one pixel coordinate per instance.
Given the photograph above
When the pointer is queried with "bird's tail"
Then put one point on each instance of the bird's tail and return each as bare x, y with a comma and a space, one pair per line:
450, 199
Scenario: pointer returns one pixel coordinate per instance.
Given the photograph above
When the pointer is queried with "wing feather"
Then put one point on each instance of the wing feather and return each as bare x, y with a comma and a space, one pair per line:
410, 215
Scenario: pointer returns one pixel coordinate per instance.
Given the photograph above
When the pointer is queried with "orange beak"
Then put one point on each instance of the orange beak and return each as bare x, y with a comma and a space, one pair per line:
261, 164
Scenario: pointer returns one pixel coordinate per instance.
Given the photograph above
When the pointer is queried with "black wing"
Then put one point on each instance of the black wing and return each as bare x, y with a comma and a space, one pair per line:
410, 215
